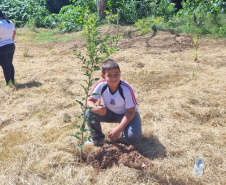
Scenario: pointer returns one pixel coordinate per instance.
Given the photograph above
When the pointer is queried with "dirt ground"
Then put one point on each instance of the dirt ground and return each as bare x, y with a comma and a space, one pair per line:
112, 154
182, 103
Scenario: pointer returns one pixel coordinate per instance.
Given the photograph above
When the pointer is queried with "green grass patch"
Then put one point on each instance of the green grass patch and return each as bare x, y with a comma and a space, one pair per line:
41, 35
54, 36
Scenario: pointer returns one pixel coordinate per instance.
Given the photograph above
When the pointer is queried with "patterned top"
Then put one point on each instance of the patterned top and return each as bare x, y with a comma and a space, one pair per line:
120, 100
6, 32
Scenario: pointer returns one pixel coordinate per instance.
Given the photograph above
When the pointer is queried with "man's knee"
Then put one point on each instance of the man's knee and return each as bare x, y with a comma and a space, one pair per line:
133, 138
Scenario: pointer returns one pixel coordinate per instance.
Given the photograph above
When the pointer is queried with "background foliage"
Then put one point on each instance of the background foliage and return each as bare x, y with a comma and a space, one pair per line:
23, 12
198, 16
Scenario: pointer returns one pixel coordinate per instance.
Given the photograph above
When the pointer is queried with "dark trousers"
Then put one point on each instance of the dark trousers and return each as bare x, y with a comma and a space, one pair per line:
6, 61
132, 133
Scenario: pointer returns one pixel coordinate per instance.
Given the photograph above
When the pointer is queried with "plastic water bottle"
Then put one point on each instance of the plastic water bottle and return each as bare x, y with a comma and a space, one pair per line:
198, 168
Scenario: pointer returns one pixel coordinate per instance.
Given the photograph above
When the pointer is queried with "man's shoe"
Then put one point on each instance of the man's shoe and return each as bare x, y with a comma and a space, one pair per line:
95, 142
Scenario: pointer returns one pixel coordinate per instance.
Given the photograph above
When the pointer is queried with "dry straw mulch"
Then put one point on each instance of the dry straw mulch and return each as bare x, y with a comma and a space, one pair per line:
182, 104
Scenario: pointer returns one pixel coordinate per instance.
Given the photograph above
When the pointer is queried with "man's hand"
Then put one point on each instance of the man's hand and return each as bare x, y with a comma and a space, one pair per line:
100, 109
114, 133
14, 33
129, 115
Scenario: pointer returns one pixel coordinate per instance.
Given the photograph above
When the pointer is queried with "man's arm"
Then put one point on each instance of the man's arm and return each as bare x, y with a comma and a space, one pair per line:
127, 118
14, 34
99, 109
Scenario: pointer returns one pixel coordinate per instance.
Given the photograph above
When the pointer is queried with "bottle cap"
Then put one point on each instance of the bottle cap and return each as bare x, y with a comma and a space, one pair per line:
200, 160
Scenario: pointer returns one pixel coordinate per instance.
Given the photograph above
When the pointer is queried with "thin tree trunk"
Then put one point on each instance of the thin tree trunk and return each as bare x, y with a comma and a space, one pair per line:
101, 7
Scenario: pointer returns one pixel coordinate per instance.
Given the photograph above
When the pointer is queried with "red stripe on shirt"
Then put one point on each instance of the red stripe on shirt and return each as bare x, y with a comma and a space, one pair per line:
97, 85
131, 91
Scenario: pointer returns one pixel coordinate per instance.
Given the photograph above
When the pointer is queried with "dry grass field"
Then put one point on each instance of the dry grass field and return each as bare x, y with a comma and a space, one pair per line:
182, 103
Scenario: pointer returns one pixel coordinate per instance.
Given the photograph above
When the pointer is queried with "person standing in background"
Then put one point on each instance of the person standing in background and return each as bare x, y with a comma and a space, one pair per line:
7, 48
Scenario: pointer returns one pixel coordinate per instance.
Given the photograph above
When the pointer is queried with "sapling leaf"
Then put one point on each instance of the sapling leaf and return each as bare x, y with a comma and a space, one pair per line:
94, 94
87, 139
76, 125
82, 105
76, 136
75, 51
85, 89
85, 81
86, 67
79, 116
92, 81
97, 68
86, 130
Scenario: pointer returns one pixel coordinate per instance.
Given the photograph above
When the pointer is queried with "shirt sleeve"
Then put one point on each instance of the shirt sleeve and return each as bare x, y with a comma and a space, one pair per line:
130, 98
96, 92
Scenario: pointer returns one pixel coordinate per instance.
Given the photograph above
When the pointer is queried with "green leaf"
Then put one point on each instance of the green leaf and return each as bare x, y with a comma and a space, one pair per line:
82, 105
76, 125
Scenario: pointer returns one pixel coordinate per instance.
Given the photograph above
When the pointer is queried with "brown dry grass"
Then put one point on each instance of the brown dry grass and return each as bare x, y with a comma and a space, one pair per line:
182, 105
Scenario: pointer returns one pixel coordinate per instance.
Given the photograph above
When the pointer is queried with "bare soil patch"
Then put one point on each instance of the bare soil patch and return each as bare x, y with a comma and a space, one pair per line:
112, 154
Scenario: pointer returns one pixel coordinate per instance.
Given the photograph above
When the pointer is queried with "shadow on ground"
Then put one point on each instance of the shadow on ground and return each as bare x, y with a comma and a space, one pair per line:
28, 85
150, 147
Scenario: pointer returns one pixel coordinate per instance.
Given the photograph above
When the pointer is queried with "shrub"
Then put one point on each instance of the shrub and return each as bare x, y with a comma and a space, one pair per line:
128, 11
24, 11
71, 17
165, 9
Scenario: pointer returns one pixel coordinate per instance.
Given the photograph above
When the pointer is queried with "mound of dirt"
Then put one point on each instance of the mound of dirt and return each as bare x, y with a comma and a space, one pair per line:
112, 154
